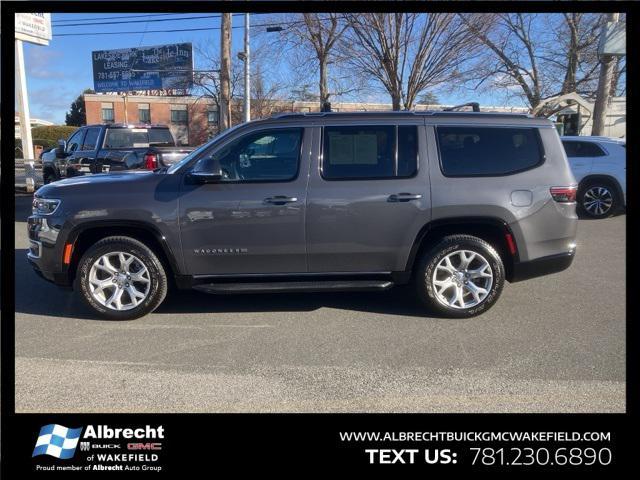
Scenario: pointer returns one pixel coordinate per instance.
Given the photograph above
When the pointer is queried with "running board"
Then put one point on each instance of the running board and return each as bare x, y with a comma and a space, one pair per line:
302, 286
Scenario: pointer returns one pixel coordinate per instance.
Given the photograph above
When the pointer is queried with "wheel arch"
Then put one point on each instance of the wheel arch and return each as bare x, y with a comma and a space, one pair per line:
85, 235
492, 230
603, 177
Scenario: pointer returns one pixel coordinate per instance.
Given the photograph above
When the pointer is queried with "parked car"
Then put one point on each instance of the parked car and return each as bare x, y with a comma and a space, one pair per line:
600, 166
452, 202
111, 148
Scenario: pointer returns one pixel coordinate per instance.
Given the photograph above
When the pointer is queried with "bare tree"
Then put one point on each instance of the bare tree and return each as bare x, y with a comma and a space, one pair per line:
408, 53
206, 81
263, 95
618, 83
311, 42
536, 56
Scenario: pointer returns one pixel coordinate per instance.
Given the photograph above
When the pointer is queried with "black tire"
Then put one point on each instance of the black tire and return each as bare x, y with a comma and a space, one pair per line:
48, 176
157, 276
426, 269
598, 190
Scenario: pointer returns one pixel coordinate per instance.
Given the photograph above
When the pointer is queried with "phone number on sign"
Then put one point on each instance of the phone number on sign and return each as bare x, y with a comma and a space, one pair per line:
541, 456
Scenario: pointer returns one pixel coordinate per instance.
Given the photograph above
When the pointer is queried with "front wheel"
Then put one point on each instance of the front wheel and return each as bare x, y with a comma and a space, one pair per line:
462, 276
120, 278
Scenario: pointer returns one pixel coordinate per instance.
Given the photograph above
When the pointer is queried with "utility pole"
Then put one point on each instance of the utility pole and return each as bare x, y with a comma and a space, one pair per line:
604, 87
225, 72
247, 71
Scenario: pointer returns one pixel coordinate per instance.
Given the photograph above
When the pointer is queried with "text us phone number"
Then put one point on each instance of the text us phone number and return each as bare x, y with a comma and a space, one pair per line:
541, 456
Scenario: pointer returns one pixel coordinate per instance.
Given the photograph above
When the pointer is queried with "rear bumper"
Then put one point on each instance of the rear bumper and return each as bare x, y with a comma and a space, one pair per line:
542, 266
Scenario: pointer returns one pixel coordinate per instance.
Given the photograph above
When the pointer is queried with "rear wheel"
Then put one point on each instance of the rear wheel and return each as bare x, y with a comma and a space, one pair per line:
120, 278
462, 276
598, 199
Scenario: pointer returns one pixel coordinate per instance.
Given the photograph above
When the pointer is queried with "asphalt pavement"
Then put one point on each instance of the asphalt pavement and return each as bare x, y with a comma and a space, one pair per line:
552, 344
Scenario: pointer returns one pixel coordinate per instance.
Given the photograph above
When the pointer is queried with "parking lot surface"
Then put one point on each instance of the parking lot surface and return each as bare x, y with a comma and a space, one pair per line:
552, 344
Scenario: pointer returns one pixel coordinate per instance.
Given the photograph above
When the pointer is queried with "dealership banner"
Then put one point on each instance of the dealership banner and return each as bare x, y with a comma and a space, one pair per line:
169, 445
143, 68
33, 27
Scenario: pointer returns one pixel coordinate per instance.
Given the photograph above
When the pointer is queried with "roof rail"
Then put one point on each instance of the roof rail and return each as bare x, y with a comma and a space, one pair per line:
435, 113
475, 106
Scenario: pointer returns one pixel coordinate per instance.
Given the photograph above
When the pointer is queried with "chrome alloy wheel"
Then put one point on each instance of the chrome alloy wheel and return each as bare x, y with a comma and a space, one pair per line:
119, 281
462, 279
597, 200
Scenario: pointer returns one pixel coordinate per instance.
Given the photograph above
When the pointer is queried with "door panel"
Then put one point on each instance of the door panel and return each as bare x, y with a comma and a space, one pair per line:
249, 223
364, 225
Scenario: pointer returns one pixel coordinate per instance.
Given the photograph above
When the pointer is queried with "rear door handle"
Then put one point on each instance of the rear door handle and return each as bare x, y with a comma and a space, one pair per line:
280, 200
404, 197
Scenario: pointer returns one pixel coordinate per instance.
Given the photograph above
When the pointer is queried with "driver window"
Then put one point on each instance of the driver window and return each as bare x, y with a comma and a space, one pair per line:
266, 156
75, 141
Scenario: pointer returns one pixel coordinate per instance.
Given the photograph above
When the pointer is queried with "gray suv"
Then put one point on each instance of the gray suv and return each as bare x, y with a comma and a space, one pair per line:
453, 202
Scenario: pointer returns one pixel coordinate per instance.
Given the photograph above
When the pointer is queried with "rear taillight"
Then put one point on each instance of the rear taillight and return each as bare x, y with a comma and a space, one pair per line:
564, 194
150, 161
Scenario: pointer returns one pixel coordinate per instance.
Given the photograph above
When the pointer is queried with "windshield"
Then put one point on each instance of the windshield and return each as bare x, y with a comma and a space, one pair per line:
137, 137
176, 166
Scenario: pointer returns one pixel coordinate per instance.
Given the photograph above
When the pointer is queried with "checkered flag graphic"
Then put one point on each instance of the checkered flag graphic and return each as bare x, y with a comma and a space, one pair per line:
57, 441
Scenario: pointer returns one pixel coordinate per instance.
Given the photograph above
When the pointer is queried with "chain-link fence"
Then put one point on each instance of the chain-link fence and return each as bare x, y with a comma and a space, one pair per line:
28, 174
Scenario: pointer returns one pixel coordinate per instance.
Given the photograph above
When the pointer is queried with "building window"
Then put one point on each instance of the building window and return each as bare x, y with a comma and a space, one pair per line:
212, 117
144, 113
179, 114
107, 113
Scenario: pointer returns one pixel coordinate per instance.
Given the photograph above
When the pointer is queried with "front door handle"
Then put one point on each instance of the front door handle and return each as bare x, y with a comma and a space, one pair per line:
280, 200
404, 197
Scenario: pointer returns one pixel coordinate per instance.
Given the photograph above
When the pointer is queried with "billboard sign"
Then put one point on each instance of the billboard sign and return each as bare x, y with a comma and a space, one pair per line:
143, 68
33, 27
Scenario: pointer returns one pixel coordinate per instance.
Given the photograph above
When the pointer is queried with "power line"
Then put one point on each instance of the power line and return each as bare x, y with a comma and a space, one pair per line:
178, 29
175, 19
54, 22
137, 32
140, 21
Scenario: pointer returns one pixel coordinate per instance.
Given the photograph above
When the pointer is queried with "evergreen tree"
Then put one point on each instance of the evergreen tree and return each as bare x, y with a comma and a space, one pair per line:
77, 115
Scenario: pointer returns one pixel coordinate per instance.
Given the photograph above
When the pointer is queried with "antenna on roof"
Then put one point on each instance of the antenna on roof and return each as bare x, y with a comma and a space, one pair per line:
475, 106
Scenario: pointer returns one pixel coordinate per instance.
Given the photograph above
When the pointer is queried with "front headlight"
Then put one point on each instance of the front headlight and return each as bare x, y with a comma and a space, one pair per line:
44, 206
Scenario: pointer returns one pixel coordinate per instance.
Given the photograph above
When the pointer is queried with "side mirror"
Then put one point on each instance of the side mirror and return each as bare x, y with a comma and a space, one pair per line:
61, 148
204, 177
209, 172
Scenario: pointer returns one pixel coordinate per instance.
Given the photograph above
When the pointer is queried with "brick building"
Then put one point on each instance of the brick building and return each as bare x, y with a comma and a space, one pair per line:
193, 120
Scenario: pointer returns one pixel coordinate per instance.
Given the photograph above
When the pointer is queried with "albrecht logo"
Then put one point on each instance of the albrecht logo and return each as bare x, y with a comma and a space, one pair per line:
57, 441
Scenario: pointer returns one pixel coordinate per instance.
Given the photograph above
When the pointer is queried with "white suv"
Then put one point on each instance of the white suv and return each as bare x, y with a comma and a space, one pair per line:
599, 165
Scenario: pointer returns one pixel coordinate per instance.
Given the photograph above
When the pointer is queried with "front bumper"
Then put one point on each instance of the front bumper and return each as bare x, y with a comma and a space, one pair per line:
46, 244
542, 266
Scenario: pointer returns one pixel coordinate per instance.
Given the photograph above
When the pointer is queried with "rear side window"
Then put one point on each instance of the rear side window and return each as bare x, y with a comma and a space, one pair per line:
160, 137
369, 152
486, 151
138, 137
582, 149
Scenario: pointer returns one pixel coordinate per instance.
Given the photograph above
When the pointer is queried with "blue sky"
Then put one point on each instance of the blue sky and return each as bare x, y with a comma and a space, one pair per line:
57, 74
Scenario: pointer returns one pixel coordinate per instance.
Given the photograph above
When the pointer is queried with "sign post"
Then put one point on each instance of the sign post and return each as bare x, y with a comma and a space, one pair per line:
33, 28
23, 104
